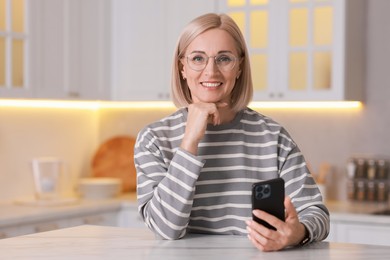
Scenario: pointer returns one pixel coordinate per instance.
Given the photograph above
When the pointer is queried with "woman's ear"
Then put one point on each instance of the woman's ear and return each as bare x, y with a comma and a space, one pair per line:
238, 74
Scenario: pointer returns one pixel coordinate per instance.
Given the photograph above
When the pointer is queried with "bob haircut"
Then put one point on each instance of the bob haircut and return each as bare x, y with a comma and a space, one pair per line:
243, 90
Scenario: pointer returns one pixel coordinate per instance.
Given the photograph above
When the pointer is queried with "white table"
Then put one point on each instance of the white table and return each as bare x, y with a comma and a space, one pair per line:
98, 242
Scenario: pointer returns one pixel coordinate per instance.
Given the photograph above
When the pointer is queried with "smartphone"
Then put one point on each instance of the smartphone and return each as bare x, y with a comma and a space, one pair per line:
268, 196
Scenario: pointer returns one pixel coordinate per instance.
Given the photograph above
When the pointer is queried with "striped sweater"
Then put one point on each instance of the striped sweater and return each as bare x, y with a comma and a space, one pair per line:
178, 192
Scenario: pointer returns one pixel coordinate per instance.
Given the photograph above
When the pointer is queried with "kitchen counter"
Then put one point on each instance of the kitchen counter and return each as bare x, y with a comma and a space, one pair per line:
12, 213
358, 211
97, 242
351, 222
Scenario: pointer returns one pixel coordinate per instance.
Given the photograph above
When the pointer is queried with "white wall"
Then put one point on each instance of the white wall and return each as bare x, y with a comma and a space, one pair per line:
34, 132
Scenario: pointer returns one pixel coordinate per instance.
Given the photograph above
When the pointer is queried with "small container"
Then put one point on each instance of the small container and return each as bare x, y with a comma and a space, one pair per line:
361, 168
360, 190
351, 174
47, 172
371, 191
382, 191
382, 170
351, 169
371, 169
99, 188
351, 189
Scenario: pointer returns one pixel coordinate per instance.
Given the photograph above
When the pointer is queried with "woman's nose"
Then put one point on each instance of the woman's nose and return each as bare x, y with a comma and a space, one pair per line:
211, 65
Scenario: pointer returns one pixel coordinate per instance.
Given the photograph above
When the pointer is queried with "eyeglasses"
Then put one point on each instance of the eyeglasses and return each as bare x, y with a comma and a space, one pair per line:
199, 61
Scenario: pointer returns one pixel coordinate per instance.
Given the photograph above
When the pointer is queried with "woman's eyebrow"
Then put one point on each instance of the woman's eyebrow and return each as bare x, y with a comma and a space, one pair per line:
219, 52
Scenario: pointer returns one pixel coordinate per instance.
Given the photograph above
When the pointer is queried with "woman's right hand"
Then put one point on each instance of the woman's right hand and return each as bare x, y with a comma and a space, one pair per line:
199, 115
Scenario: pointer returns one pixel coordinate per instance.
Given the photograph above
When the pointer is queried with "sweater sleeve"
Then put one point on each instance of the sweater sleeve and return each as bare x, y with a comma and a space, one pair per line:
165, 187
305, 195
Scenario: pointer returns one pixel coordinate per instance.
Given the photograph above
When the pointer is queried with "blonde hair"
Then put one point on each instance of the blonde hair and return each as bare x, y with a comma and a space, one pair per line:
243, 90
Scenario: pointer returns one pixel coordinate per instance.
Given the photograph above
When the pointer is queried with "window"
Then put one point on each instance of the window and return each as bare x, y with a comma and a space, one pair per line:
290, 43
12, 43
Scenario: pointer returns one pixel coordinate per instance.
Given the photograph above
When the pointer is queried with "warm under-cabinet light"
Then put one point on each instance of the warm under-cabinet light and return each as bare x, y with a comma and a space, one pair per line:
47, 103
308, 104
95, 105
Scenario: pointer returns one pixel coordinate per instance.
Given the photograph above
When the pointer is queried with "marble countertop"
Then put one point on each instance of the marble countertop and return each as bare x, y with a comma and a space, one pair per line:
12, 214
97, 242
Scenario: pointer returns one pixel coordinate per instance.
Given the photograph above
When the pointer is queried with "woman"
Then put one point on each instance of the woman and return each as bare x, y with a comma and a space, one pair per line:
196, 167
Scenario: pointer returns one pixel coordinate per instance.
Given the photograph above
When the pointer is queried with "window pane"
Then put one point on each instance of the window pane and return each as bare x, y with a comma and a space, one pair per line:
18, 16
2, 15
232, 3
298, 27
298, 71
323, 17
259, 2
322, 70
17, 63
2, 61
259, 71
259, 29
239, 18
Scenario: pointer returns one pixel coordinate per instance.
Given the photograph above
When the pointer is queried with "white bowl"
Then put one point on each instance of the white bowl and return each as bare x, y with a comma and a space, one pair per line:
99, 188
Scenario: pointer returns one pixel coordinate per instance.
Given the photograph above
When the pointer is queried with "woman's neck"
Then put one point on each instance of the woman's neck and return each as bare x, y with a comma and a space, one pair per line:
227, 115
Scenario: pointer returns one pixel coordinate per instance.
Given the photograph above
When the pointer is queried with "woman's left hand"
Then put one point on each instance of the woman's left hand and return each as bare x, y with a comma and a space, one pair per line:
287, 233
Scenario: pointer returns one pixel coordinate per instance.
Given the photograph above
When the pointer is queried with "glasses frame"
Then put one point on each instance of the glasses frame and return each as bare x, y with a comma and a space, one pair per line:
234, 60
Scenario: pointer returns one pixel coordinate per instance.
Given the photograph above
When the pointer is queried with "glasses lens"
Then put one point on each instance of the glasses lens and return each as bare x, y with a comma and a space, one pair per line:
224, 61
197, 61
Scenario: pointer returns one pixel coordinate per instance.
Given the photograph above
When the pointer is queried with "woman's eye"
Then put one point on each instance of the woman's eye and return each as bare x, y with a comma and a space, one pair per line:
224, 58
198, 59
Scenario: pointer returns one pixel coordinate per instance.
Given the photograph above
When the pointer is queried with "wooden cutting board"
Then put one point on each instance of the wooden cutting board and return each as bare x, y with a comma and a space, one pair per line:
115, 158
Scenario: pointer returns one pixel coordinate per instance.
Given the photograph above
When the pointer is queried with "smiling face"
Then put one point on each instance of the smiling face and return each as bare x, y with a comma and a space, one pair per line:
212, 84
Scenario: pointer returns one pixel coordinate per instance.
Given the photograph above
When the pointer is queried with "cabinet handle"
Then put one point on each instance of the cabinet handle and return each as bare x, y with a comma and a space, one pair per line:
46, 227
280, 95
73, 94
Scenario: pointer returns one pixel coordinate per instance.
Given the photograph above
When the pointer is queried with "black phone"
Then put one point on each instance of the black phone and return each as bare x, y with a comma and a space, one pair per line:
269, 196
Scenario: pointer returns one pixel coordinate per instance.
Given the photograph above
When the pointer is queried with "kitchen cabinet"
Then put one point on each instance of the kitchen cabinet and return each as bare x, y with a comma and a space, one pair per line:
143, 40
360, 231
16, 220
13, 39
107, 50
100, 218
67, 58
303, 49
130, 218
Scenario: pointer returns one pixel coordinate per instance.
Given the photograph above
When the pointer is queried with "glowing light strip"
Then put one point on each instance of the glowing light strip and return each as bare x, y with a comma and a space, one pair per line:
46, 103
95, 105
308, 104
136, 105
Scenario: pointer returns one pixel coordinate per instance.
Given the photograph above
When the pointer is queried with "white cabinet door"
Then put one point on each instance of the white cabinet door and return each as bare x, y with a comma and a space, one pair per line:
144, 34
67, 54
129, 217
363, 233
101, 219
138, 50
47, 54
302, 50
359, 232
